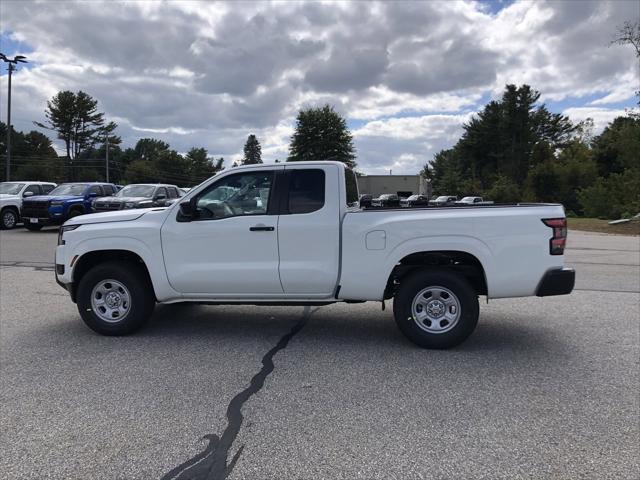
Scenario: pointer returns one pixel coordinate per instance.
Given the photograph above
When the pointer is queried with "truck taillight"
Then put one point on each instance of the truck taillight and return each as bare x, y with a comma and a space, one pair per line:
559, 239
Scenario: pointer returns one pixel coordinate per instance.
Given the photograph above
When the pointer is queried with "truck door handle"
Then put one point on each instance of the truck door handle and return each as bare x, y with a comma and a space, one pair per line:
261, 228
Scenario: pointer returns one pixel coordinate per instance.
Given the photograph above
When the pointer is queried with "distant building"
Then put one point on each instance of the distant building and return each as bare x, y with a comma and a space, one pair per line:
402, 185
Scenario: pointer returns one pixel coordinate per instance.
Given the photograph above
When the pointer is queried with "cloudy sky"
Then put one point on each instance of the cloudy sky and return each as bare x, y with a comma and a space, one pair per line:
406, 75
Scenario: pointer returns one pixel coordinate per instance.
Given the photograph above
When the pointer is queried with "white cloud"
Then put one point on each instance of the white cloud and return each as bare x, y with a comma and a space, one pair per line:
600, 116
207, 74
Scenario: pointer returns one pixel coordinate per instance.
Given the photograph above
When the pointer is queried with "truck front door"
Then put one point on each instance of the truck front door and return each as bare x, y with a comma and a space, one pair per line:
230, 246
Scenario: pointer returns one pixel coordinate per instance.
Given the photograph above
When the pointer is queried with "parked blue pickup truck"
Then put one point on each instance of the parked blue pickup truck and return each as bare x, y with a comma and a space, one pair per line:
62, 203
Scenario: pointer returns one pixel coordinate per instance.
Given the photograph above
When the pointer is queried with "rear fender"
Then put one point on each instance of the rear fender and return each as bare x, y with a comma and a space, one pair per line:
458, 243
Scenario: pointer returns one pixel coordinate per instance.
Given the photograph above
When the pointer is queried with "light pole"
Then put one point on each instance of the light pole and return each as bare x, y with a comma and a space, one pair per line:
12, 66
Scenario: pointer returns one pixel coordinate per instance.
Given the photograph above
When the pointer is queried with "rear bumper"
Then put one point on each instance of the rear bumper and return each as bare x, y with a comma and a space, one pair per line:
559, 281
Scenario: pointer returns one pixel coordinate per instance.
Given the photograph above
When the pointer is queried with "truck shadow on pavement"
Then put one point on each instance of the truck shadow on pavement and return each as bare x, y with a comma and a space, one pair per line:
337, 326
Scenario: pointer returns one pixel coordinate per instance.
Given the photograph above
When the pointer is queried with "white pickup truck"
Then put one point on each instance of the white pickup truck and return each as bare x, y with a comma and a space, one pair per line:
290, 235
11, 195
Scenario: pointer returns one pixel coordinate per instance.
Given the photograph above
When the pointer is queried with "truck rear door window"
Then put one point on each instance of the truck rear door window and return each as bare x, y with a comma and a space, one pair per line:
306, 191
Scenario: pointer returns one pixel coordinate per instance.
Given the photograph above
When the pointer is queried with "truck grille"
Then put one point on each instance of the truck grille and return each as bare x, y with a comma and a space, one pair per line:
35, 209
105, 206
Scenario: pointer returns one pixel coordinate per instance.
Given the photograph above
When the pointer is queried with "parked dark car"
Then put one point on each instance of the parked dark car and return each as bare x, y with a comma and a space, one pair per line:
365, 200
443, 200
415, 201
387, 200
62, 203
139, 195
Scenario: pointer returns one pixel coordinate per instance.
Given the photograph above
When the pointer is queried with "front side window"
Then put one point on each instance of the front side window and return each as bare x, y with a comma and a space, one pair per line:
306, 191
97, 189
161, 191
236, 195
34, 189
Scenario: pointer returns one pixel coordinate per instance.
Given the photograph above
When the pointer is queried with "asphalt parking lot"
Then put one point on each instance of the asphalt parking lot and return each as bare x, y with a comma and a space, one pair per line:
545, 388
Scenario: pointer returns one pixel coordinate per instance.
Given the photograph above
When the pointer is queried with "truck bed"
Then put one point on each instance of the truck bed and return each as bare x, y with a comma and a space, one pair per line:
510, 242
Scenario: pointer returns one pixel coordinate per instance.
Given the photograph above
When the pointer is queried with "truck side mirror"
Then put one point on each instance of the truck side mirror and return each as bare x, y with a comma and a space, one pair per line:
187, 211
27, 194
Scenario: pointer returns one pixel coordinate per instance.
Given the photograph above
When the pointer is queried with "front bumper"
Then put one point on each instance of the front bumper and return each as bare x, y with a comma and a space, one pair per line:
63, 271
41, 220
559, 281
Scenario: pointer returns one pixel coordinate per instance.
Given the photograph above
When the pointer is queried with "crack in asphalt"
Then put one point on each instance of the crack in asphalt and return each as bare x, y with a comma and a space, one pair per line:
212, 463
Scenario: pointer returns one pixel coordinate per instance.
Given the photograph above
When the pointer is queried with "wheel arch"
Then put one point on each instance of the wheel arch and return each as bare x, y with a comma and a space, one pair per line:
458, 261
76, 206
90, 259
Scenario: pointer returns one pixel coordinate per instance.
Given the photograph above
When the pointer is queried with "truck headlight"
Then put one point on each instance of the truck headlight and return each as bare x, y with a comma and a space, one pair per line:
129, 205
65, 228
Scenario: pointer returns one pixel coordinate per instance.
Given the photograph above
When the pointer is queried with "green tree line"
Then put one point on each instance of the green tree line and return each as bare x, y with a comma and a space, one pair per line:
515, 150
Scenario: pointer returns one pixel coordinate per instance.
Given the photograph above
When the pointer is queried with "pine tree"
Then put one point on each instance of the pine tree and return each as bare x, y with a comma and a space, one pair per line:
322, 134
252, 151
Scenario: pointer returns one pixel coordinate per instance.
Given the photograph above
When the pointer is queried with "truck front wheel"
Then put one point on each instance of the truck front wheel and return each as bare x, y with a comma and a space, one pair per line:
436, 309
9, 218
115, 298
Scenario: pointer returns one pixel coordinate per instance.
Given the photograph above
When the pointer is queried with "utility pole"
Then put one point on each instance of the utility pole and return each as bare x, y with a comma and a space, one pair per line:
12, 63
107, 155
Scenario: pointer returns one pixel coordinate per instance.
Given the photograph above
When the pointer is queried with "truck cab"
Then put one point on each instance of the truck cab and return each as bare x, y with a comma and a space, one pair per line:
12, 195
66, 201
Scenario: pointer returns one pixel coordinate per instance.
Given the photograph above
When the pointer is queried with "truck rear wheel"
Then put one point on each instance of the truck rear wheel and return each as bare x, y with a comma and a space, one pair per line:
436, 309
115, 298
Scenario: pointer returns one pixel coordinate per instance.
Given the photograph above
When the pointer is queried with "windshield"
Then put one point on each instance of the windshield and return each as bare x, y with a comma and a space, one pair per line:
442, 199
136, 191
11, 188
413, 197
467, 199
69, 189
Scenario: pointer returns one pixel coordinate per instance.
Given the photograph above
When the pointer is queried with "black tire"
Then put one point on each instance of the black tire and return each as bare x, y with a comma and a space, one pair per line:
32, 227
134, 279
456, 283
8, 218
74, 213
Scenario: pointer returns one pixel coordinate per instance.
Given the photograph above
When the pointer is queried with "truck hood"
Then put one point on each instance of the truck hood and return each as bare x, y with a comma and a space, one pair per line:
114, 199
6, 197
46, 198
107, 217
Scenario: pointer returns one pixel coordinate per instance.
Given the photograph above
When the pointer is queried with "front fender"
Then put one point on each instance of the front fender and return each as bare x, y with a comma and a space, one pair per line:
153, 261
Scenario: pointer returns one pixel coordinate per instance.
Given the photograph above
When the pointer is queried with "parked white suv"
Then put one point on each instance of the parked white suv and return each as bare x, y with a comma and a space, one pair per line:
11, 195
289, 235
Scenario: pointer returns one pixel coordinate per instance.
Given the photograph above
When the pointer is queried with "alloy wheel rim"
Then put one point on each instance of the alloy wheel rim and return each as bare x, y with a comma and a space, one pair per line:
9, 219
